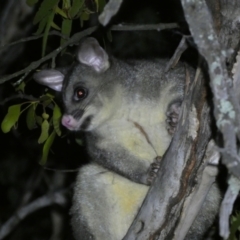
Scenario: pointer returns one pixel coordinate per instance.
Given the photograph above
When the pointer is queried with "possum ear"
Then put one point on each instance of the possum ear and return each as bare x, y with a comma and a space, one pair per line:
93, 55
51, 78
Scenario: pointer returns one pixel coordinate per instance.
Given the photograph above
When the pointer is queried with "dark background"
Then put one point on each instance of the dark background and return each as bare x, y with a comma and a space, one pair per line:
22, 179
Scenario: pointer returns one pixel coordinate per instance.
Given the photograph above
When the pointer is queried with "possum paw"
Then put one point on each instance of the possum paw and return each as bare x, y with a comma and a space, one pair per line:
172, 117
154, 167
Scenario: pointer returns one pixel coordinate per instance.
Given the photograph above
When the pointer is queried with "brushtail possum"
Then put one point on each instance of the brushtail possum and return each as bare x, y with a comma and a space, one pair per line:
128, 111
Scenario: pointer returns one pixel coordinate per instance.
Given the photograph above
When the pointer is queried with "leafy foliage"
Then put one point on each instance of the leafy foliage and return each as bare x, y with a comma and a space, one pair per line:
235, 227
47, 147
70, 10
66, 28
31, 2
56, 119
46, 121
30, 118
11, 118
49, 120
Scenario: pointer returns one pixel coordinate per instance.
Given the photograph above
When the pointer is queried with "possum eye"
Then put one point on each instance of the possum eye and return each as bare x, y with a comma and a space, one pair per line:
80, 93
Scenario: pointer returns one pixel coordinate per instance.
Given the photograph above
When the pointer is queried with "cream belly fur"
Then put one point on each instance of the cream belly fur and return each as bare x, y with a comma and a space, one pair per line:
119, 197
142, 132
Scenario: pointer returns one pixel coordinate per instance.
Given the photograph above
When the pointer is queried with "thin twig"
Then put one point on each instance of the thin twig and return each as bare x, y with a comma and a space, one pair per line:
19, 96
227, 206
78, 36
75, 38
144, 27
110, 9
62, 170
17, 83
44, 201
120, 27
182, 46
22, 40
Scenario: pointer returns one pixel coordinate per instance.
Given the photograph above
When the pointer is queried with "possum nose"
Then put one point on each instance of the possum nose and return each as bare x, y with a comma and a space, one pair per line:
69, 122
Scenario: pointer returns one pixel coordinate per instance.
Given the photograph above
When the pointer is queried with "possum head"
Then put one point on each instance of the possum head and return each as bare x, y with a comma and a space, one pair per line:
87, 88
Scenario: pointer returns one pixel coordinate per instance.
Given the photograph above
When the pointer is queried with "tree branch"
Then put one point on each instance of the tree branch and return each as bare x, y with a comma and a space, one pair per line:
20, 95
109, 11
33, 38
144, 27
182, 46
196, 199
44, 201
225, 109
77, 37
227, 206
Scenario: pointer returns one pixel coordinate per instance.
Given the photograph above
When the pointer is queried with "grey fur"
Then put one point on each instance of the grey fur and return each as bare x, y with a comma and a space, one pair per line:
137, 79
123, 112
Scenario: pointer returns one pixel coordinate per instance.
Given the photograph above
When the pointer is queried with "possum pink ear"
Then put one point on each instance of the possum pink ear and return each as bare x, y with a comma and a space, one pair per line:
51, 78
93, 55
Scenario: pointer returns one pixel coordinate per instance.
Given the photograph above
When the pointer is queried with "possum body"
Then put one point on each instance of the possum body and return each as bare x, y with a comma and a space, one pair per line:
122, 107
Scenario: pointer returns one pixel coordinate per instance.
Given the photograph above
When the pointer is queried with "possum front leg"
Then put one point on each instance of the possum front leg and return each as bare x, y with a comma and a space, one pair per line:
124, 163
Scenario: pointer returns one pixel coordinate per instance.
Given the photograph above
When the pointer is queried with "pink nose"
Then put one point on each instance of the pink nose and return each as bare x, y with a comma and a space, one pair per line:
69, 122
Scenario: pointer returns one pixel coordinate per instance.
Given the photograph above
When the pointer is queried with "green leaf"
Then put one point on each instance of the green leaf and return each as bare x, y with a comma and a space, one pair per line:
55, 26
66, 29
40, 15
44, 133
39, 120
44, 10
47, 102
47, 29
31, 2
56, 119
66, 4
11, 118
21, 87
97, 4
44, 98
102, 4
30, 118
45, 116
76, 7
84, 16
79, 141
46, 147
234, 227
41, 25
61, 12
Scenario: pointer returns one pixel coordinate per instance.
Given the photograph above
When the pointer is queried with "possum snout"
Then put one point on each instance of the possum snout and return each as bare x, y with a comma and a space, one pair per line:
69, 122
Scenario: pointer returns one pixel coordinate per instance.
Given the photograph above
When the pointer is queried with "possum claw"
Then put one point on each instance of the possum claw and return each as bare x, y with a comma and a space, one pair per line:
154, 167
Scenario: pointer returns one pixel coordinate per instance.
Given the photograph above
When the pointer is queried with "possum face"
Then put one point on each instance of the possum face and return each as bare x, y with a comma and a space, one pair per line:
85, 88
87, 98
